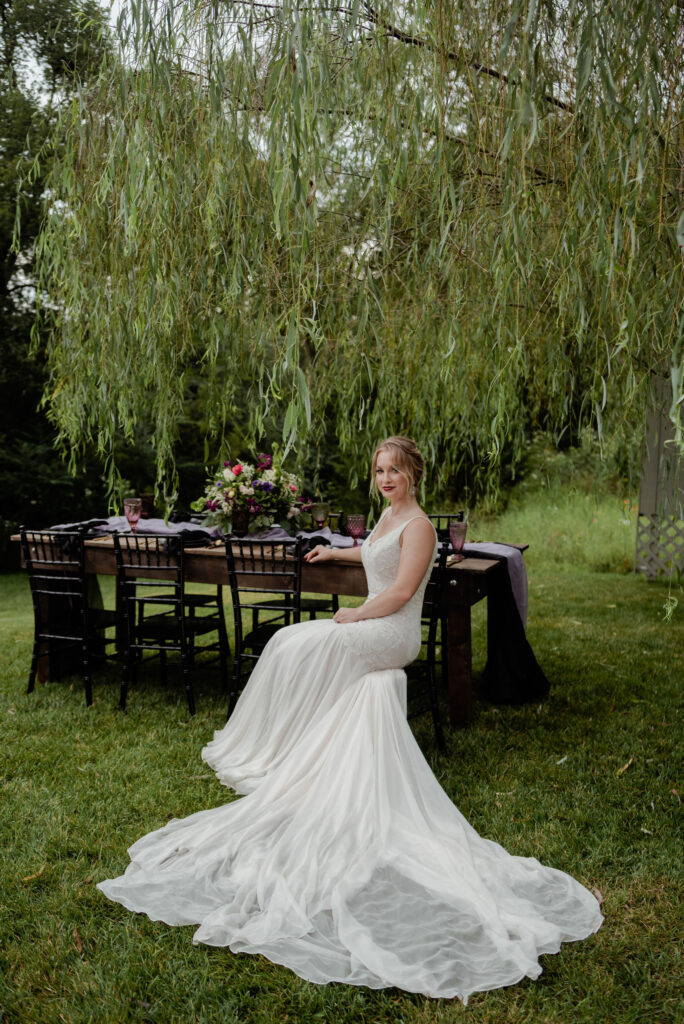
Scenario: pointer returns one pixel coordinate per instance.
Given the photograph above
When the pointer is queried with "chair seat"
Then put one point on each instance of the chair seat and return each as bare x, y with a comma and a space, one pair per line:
258, 638
199, 600
309, 605
165, 625
316, 604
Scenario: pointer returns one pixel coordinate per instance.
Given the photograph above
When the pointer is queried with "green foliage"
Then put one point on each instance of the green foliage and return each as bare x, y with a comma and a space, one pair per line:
450, 220
57, 40
566, 525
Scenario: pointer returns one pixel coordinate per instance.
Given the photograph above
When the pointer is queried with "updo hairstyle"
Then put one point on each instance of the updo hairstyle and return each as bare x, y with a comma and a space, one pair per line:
406, 457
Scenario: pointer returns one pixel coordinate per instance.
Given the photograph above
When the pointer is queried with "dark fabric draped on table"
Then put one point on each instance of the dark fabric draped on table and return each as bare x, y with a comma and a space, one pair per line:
512, 674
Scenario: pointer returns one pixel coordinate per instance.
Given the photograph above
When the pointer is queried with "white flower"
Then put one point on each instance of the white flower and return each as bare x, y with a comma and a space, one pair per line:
228, 475
246, 490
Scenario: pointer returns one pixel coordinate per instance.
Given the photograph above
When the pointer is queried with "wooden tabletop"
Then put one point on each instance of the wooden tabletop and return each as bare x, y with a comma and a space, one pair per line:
208, 565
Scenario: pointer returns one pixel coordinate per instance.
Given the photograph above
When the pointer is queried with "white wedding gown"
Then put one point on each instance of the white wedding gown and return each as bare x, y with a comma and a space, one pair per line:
346, 861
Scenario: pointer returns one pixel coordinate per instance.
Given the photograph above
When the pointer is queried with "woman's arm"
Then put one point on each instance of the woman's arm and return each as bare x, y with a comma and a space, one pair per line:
324, 553
417, 550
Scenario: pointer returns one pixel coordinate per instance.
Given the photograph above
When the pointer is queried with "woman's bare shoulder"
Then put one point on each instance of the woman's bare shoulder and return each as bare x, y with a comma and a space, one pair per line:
418, 527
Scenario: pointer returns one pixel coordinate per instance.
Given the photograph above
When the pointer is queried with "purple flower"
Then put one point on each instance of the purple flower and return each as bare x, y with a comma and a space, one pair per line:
212, 504
264, 461
263, 485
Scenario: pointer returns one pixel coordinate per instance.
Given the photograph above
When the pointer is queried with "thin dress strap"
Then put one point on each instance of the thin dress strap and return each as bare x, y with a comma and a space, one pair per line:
404, 525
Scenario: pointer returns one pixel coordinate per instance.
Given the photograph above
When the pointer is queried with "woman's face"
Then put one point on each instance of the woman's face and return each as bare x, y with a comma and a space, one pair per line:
390, 481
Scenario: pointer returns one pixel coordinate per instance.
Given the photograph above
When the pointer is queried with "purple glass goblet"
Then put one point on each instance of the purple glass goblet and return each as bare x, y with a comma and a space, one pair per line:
355, 524
457, 536
132, 510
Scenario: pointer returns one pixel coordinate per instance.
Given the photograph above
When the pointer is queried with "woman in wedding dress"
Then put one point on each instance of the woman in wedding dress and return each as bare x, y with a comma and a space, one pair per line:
345, 860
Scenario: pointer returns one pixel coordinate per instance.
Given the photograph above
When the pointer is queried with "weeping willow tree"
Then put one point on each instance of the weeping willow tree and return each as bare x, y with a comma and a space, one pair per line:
460, 221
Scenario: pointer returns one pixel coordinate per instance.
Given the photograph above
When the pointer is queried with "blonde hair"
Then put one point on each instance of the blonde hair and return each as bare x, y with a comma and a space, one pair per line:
407, 459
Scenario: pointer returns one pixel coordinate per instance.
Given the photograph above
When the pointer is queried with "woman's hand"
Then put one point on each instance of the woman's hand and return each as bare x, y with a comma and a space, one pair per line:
321, 553
346, 615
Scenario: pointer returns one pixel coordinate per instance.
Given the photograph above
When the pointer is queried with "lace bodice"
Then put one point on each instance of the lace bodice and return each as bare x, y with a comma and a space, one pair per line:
391, 641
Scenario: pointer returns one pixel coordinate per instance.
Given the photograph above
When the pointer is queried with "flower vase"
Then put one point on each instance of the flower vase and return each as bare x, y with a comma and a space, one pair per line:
240, 522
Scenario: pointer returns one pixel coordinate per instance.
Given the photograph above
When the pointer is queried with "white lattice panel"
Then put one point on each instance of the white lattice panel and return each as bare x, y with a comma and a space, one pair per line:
659, 546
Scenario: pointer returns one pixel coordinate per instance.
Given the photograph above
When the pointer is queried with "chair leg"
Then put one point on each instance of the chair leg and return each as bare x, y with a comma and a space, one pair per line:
130, 674
439, 732
444, 653
434, 706
123, 693
224, 648
187, 678
87, 675
34, 666
237, 665
190, 641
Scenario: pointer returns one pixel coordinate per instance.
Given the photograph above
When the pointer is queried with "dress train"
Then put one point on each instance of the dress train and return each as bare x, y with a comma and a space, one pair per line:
351, 864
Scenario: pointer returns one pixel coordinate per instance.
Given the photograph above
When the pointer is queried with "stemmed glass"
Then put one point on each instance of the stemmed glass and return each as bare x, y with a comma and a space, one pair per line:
355, 525
457, 536
132, 510
319, 513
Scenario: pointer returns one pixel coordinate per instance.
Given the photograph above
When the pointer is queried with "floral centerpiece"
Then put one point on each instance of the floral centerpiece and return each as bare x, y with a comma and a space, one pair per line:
242, 497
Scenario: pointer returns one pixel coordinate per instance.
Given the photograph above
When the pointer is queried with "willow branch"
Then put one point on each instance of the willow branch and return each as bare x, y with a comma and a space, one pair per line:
453, 55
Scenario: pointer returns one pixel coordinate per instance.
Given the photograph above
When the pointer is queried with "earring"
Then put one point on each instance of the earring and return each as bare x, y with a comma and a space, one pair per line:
413, 491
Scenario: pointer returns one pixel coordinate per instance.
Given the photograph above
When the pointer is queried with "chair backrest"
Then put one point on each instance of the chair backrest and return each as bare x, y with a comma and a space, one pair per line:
441, 520
52, 551
272, 569
150, 561
55, 564
433, 600
55, 561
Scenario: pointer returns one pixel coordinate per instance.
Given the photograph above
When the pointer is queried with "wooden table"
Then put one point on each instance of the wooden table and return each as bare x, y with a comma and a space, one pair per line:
469, 582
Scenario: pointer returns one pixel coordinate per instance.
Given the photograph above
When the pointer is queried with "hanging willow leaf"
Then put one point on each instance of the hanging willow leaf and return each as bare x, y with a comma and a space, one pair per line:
680, 231
488, 248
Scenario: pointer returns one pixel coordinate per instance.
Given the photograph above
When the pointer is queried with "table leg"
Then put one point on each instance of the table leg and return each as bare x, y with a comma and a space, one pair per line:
459, 666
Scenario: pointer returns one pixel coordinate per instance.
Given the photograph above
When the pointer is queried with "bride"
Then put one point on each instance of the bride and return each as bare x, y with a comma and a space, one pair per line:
346, 861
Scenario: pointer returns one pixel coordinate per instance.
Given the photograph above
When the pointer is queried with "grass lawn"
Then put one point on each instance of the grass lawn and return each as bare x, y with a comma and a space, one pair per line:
588, 781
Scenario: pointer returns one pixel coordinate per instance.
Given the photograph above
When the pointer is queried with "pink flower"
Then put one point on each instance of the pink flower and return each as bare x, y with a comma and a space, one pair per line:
293, 488
237, 469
